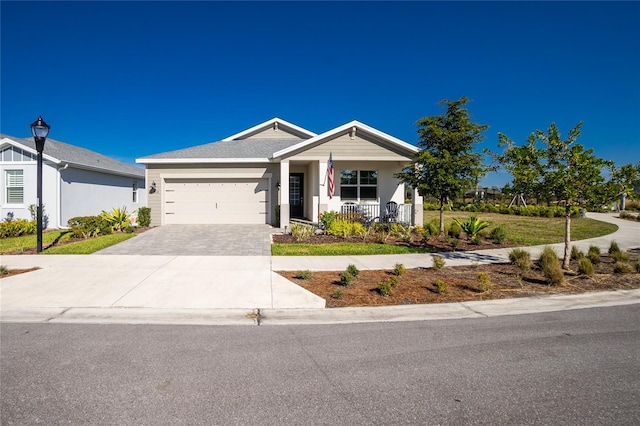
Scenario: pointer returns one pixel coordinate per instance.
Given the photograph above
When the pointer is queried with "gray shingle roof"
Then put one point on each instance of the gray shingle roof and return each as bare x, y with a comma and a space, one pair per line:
81, 156
244, 148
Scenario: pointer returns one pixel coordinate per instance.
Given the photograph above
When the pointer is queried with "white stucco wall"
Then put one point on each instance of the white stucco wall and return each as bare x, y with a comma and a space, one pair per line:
30, 175
87, 193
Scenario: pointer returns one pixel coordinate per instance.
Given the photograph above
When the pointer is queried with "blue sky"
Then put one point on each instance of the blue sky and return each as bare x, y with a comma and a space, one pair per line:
130, 79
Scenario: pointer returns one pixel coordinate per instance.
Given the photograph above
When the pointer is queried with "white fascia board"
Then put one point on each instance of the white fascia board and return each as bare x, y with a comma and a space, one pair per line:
344, 127
266, 124
7, 141
103, 170
200, 160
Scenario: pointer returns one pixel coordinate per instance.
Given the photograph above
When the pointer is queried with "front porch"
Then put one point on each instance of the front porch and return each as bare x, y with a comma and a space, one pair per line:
363, 188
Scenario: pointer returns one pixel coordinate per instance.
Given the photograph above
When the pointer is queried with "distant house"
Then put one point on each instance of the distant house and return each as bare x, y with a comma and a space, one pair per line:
278, 168
75, 181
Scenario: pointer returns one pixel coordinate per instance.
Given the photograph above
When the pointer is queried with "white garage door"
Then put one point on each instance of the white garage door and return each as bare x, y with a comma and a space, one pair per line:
216, 201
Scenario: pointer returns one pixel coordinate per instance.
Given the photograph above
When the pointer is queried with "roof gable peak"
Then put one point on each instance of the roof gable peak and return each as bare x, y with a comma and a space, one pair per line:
275, 124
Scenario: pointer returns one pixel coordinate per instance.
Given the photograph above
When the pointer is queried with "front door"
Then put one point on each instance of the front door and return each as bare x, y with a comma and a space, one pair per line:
296, 195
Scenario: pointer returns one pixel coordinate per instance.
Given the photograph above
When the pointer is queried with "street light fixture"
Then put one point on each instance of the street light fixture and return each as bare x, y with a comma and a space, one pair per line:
39, 130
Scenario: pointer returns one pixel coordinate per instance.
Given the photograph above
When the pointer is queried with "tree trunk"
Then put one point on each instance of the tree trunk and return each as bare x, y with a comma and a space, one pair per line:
567, 239
441, 218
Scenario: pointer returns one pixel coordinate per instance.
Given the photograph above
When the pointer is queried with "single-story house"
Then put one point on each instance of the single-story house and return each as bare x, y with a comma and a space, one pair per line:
75, 181
277, 170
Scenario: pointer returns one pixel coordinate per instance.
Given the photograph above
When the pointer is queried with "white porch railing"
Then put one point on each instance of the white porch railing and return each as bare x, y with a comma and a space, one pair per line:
375, 213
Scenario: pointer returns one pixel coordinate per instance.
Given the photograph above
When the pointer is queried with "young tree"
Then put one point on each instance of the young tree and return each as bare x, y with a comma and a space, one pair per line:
560, 168
446, 163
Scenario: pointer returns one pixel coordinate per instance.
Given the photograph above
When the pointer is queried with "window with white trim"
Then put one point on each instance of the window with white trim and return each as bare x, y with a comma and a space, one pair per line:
14, 181
359, 185
135, 192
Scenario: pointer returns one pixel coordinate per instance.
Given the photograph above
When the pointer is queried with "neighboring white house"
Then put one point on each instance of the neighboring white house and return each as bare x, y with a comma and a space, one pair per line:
75, 181
244, 177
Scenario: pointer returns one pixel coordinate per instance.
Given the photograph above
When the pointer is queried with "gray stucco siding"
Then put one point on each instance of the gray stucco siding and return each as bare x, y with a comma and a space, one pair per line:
87, 193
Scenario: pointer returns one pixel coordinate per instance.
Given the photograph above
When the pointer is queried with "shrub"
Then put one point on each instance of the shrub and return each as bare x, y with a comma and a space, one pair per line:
301, 231
638, 266
432, 228
585, 267
385, 288
614, 248
455, 243
441, 286
327, 218
476, 240
303, 275
17, 228
88, 226
345, 279
118, 218
438, 262
399, 269
472, 226
550, 265
345, 228
521, 258
129, 229
484, 282
576, 253
338, 294
622, 268
353, 270
594, 254
144, 216
498, 234
454, 230
3, 270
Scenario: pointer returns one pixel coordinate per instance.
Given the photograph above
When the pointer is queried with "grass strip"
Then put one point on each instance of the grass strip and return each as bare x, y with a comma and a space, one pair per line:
89, 246
342, 249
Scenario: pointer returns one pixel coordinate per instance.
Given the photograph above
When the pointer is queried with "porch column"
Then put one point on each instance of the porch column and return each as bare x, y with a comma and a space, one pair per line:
321, 204
284, 193
417, 214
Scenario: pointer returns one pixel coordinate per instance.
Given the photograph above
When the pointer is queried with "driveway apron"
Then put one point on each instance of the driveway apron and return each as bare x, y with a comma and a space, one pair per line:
198, 240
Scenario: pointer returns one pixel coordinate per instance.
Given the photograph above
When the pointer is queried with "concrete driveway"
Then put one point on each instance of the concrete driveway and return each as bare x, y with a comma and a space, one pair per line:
198, 240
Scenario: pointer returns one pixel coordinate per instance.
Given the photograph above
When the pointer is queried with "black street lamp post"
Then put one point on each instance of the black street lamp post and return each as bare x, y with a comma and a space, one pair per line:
40, 130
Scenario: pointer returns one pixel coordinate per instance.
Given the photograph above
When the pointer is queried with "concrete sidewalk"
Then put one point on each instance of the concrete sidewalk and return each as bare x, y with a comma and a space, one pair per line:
245, 290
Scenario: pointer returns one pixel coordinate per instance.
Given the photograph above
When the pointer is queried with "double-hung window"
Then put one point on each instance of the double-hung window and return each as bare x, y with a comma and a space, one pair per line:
135, 192
15, 186
359, 185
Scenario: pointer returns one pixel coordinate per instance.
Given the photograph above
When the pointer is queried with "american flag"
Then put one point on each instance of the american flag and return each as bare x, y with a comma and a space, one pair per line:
330, 175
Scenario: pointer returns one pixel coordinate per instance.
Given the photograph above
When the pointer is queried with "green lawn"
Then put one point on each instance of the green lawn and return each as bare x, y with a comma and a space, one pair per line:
533, 231
18, 245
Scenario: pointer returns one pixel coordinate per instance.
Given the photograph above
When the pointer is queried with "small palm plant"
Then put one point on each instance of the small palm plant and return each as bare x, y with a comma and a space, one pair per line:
472, 226
118, 218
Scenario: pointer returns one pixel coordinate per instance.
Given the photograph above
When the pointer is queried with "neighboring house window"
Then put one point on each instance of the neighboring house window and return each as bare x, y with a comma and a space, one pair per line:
15, 186
135, 192
359, 185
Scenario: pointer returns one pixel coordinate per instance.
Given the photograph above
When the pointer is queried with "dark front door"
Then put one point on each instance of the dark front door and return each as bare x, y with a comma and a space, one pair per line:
296, 195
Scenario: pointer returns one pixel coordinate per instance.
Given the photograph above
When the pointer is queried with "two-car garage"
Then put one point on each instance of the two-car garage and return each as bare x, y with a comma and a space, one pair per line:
216, 201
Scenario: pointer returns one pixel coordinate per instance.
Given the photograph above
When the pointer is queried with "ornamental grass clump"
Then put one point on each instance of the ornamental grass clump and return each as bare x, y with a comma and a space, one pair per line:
622, 268
498, 234
385, 288
550, 265
399, 269
614, 248
576, 253
353, 270
585, 267
441, 286
346, 279
484, 281
594, 254
520, 258
438, 262
303, 275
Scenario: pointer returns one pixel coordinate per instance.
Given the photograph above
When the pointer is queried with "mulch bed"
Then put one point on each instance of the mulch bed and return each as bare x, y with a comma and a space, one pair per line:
417, 286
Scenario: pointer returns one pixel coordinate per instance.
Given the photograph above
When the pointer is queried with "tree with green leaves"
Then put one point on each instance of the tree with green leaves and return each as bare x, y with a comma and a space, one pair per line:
562, 169
446, 163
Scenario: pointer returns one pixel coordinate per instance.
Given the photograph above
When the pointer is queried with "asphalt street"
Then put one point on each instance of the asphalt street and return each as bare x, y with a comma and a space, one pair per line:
569, 367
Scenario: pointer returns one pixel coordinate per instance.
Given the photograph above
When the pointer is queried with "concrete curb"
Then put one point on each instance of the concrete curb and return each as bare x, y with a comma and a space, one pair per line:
403, 313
